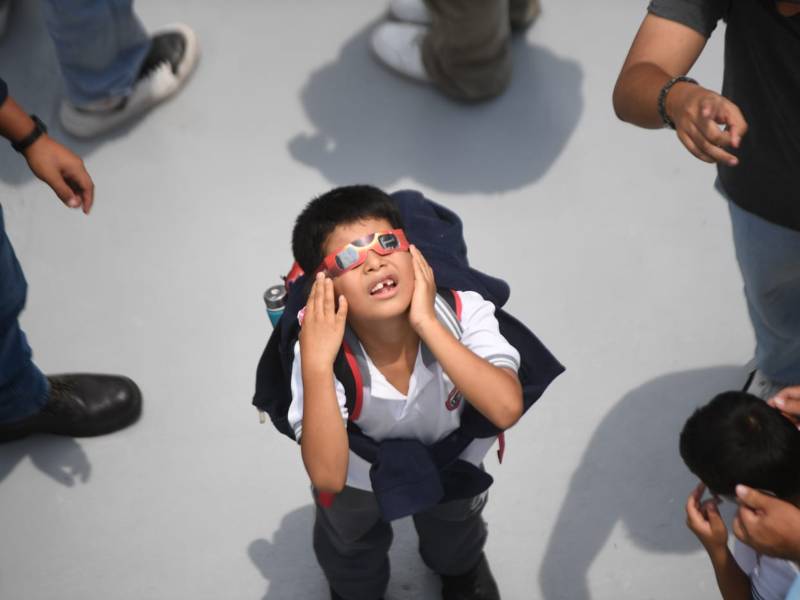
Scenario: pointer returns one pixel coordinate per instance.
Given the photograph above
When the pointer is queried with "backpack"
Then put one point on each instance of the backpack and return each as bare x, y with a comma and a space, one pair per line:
406, 475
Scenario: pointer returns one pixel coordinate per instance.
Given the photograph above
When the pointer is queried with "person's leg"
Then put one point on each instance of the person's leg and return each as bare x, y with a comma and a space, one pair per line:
23, 388
467, 52
351, 543
100, 44
73, 405
451, 541
113, 70
769, 259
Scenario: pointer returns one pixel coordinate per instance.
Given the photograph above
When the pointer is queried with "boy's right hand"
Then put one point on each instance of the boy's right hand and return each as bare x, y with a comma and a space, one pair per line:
323, 326
704, 520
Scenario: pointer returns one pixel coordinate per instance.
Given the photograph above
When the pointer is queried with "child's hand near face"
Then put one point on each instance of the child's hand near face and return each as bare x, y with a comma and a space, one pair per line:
323, 326
704, 520
421, 311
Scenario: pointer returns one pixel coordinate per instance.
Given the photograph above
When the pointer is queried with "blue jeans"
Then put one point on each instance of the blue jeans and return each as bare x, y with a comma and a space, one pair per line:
100, 44
23, 388
769, 258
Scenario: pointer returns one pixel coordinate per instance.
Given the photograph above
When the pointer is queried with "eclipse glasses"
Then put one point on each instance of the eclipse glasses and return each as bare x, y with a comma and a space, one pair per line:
355, 253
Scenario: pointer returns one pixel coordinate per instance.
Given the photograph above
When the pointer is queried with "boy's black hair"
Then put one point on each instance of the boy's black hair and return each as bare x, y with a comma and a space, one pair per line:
738, 438
340, 206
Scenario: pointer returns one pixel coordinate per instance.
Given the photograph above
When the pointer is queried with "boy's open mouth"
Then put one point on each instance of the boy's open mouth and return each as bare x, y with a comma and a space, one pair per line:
383, 287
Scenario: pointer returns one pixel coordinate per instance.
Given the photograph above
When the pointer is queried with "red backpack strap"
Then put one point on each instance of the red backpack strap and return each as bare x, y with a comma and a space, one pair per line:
354, 400
501, 446
457, 301
447, 306
350, 368
326, 498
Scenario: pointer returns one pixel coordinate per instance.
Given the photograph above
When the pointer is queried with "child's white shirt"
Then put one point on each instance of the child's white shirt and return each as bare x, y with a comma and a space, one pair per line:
770, 578
424, 413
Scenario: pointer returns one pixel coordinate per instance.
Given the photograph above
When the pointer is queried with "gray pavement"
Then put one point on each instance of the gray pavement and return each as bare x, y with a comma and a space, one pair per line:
615, 244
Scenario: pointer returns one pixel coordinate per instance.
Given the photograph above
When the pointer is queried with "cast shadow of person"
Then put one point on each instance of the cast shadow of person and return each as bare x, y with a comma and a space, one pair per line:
288, 564
631, 472
369, 123
60, 458
28, 64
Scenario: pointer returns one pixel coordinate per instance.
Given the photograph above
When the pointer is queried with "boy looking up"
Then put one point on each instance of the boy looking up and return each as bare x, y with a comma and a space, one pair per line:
371, 280
738, 439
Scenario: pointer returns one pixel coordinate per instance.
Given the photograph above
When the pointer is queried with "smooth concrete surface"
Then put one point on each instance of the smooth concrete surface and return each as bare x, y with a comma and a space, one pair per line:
616, 246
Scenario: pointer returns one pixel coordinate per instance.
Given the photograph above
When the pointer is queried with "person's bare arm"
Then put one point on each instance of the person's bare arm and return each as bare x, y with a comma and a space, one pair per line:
704, 520
495, 392
664, 49
51, 162
323, 443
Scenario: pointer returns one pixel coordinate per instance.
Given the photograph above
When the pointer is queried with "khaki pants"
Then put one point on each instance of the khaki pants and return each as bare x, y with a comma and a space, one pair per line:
467, 52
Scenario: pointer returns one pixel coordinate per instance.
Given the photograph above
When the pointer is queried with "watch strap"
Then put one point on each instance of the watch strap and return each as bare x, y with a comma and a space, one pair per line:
39, 129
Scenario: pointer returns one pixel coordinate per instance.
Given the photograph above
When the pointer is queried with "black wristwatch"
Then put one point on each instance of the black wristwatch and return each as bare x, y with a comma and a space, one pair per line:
39, 129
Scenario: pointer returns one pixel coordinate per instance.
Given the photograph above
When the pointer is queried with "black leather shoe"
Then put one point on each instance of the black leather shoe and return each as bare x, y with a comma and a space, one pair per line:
475, 584
81, 405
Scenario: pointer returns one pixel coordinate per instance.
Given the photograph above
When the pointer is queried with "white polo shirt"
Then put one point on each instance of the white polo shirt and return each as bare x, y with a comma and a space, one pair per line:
427, 412
770, 578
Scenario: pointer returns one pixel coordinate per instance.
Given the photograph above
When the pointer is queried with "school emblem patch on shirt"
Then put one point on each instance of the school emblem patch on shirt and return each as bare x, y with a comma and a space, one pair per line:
453, 400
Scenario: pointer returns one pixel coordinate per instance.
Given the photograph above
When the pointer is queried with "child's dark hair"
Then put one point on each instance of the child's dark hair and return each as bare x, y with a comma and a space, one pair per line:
340, 206
738, 438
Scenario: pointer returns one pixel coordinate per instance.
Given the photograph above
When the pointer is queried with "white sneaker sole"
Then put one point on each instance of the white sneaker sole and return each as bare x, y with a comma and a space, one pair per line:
157, 87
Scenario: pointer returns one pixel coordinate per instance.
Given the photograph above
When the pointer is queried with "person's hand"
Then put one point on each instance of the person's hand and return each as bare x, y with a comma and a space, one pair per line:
421, 312
698, 114
767, 524
63, 171
323, 326
788, 402
704, 520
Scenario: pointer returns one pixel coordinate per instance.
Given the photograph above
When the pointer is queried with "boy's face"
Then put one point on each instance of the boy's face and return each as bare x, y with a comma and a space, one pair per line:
366, 298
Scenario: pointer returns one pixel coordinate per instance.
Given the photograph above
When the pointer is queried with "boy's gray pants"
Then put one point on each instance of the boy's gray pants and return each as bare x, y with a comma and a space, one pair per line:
467, 52
352, 542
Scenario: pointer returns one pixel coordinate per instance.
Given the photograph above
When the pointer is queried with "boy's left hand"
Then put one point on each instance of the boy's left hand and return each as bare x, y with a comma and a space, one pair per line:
704, 520
421, 312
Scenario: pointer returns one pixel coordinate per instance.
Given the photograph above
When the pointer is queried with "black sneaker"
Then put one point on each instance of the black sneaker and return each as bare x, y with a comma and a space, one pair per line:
81, 405
172, 57
475, 584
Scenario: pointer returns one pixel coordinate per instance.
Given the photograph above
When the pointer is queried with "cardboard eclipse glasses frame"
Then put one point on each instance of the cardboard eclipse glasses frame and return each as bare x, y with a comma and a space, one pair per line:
355, 253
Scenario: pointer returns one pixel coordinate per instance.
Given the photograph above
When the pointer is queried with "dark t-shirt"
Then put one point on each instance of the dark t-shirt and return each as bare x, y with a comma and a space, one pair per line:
762, 77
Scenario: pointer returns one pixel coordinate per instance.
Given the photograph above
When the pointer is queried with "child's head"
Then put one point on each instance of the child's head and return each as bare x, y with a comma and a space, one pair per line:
737, 438
344, 215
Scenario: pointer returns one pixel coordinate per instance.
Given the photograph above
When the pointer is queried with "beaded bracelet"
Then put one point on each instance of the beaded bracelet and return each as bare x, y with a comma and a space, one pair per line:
662, 97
